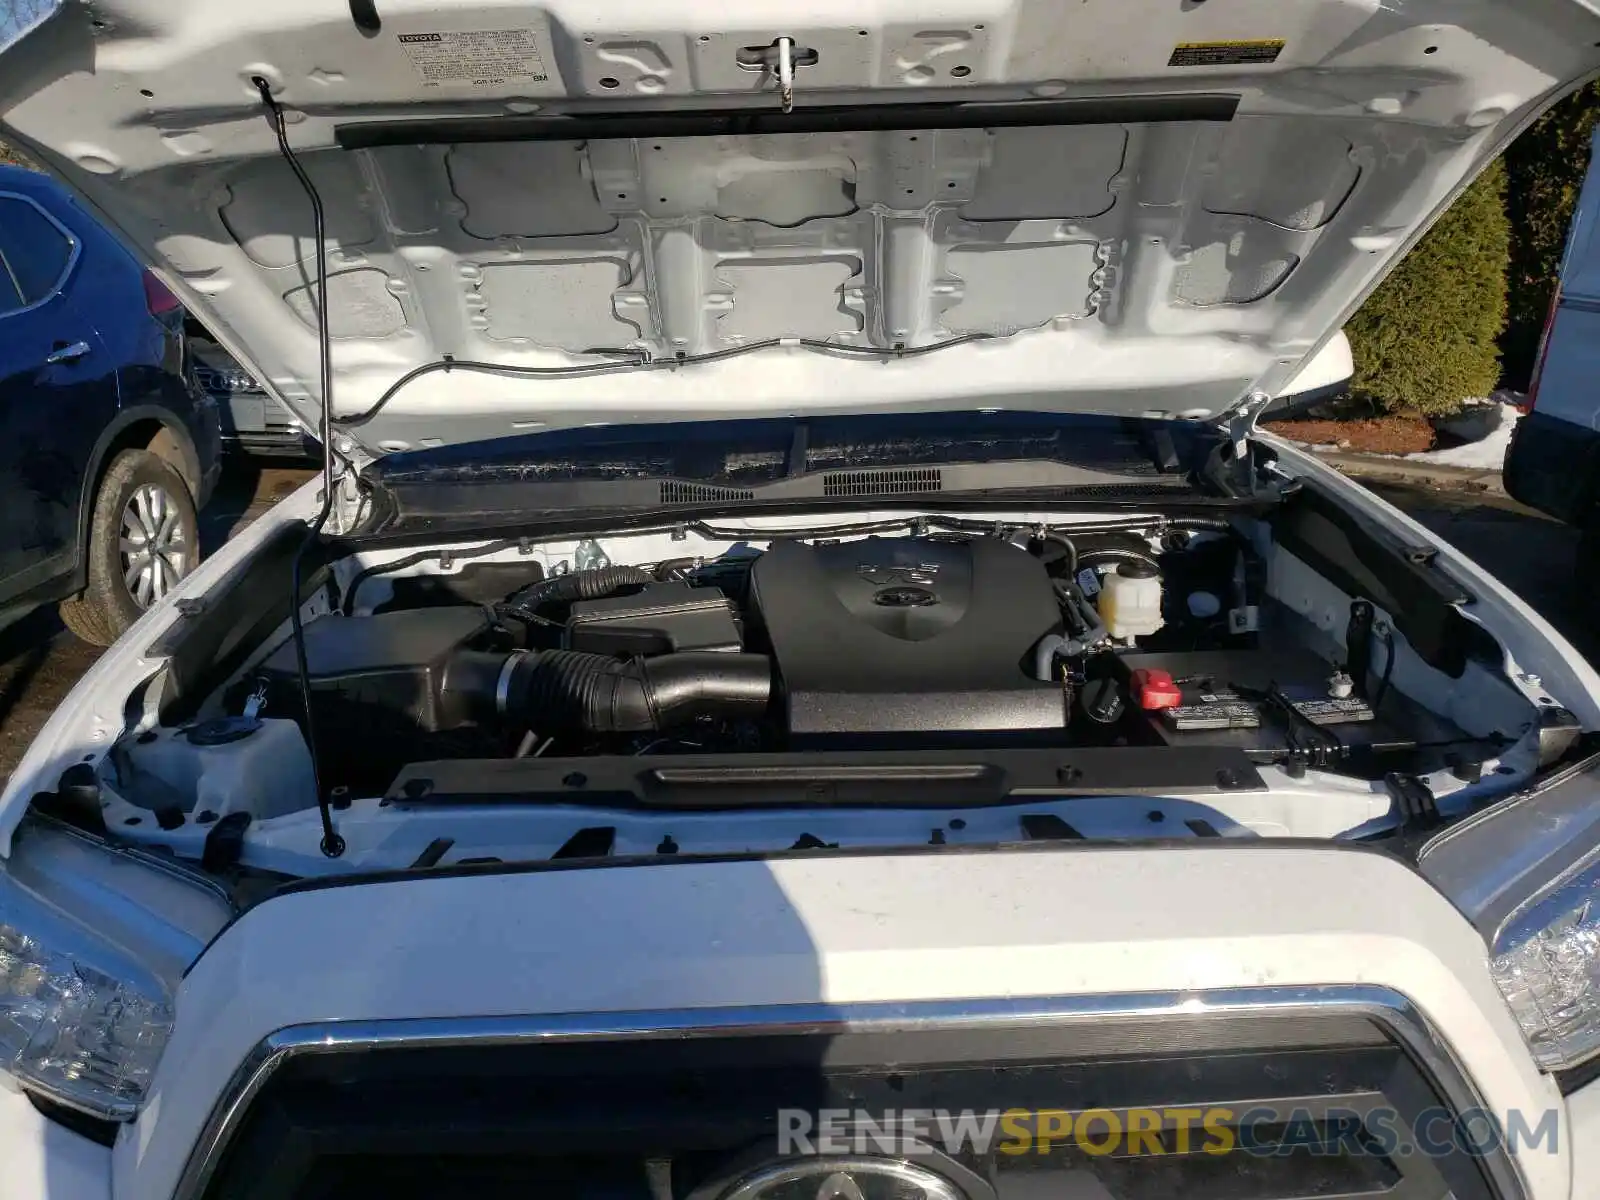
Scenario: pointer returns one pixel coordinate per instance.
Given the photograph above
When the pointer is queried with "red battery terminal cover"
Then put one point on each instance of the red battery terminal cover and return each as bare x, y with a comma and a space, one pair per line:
1153, 689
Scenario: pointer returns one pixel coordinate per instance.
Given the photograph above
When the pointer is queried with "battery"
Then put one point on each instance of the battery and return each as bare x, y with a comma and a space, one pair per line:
1222, 704
1219, 712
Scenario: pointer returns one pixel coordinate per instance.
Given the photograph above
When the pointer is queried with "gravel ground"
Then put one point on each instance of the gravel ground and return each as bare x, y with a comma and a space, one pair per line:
40, 661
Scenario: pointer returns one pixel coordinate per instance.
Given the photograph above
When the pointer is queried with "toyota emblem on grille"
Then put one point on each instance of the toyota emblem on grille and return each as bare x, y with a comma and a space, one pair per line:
844, 1179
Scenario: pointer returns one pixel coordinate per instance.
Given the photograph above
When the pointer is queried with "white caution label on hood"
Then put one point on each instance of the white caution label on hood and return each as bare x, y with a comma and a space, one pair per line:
475, 57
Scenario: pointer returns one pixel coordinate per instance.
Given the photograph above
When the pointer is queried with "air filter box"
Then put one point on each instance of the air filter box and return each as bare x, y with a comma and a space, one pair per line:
376, 685
662, 618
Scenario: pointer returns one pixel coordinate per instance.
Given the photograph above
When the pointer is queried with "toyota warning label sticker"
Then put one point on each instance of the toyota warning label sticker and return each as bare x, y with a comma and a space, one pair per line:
1257, 52
475, 57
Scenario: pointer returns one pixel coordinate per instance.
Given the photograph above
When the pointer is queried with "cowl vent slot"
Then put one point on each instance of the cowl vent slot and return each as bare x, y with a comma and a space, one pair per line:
877, 483
701, 493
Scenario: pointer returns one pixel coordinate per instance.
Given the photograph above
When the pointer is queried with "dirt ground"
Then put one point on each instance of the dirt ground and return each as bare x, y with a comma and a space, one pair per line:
40, 661
1379, 435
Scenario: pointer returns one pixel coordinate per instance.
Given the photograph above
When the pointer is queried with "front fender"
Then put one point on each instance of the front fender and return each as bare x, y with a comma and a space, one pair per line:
90, 719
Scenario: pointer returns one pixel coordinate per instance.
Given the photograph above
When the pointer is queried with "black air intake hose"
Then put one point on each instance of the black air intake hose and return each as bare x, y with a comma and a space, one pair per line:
594, 584
565, 691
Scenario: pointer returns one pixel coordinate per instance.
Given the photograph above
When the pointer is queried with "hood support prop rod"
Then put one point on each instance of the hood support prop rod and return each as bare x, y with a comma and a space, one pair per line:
333, 845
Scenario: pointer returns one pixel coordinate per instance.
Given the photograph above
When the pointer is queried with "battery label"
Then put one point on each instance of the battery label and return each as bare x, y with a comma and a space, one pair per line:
1221, 715
1335, 712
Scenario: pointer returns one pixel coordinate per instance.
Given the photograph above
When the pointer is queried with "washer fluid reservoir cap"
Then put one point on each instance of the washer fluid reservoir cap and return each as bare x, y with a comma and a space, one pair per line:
222, 730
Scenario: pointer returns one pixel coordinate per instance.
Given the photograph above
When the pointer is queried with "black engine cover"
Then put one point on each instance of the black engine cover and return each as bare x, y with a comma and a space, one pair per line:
908, 635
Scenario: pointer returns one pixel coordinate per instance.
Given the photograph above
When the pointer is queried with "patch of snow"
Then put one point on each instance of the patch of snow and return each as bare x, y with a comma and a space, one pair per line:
1485, 426
1479, 416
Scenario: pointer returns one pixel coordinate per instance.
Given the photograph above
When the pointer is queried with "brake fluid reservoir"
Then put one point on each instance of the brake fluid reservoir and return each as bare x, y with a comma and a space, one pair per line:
235, 764
1130, 601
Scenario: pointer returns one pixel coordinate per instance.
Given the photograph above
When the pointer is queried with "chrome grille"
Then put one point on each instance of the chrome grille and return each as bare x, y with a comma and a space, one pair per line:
644, 1105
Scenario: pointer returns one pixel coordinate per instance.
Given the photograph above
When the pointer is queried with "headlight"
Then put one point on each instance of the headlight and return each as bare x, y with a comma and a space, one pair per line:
1526, 872
79, 1021
1546, 961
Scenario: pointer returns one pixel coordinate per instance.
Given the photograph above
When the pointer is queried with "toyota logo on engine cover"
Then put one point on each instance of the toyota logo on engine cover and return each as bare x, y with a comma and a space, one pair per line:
844, 1179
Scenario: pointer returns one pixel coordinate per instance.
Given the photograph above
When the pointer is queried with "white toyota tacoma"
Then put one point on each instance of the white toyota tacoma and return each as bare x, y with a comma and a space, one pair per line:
800, 648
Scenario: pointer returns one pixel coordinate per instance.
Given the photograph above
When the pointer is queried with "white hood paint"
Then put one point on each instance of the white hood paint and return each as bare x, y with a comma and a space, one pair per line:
1166, 267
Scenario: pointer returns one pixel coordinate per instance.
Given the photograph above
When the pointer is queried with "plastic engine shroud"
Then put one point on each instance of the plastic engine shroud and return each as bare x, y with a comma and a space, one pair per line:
907, 635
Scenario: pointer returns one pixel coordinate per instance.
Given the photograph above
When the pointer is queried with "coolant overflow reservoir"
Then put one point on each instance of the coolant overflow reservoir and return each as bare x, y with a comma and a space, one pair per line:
1130, 601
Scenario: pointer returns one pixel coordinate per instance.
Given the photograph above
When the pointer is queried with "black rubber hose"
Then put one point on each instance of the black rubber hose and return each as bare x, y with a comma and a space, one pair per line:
675, 568
1063, 540
566, 691
593, 584
1388, 671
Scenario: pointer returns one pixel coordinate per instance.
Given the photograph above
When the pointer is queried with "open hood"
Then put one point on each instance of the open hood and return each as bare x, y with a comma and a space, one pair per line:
1139, 207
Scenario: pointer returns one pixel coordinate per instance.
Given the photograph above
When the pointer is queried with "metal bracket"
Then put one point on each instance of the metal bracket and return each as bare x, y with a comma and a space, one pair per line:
590, 555
1242, 421
255, 702
1559, 731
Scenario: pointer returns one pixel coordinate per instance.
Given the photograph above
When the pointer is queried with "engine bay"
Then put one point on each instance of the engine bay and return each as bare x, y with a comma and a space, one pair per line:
939, 663
878, 643
869, 644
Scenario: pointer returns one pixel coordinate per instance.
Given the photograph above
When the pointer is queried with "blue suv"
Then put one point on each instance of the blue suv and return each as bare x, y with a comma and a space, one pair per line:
107, 446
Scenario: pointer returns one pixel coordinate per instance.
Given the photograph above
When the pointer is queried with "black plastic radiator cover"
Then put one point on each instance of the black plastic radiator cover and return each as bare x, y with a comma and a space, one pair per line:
877, 778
